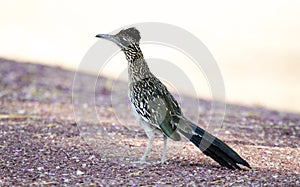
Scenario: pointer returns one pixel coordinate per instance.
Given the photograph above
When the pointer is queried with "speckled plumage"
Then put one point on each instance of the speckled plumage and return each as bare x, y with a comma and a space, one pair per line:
155, 105
157, 109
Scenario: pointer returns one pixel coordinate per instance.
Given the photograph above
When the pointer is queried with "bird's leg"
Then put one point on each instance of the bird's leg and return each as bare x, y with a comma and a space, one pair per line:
150, 135
163, 158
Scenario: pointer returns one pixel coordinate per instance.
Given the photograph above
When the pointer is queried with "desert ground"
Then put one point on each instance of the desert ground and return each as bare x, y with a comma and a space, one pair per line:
43, 142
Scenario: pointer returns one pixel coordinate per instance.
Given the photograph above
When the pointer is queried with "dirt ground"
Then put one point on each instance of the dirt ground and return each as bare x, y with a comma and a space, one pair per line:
46, 139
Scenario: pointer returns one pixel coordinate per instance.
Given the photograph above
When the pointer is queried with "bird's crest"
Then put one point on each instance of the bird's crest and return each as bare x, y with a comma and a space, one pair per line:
131, 34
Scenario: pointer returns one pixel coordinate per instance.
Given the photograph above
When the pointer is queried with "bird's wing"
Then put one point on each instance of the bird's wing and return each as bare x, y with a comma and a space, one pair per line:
153, 102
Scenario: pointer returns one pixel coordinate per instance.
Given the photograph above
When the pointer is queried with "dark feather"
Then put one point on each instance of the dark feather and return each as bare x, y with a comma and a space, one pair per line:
214, 147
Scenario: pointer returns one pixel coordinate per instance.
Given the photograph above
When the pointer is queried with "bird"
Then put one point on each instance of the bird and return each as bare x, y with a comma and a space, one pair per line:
158, 111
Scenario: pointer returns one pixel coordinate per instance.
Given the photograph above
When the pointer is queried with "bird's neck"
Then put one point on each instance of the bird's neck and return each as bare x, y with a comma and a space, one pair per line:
137, 65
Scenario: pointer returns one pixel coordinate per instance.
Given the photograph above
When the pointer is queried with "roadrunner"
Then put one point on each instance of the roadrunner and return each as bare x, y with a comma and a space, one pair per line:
156, 108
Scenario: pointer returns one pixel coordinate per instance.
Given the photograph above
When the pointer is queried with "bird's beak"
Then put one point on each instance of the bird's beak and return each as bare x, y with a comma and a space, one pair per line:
105, 36
111, 38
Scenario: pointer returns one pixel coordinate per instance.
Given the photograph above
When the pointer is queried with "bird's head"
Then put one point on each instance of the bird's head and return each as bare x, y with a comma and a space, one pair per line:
124, 38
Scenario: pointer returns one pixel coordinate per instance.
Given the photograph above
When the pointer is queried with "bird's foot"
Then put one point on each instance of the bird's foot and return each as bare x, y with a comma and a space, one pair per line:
141, 161
163, 161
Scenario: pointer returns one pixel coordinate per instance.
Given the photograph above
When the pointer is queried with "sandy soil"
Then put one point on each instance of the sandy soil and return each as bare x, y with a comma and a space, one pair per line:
41, 143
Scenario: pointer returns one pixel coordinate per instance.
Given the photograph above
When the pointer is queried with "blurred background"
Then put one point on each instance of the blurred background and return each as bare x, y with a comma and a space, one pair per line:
255, 43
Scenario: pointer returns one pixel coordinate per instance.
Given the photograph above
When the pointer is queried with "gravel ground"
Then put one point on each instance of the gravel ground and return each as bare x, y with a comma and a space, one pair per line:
42, 144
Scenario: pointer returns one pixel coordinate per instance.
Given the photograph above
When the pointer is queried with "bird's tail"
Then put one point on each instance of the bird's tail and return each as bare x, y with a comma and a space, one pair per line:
211, 145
